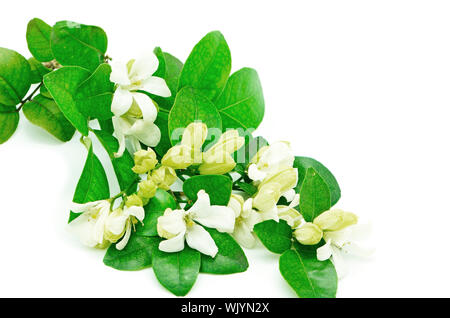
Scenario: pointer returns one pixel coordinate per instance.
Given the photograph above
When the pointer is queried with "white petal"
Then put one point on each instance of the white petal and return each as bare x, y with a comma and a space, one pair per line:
120, 135
173, 221
255, 174
271, 214
324, 252
148, 133
358, 250
243, 235
144, 67
124, 241
202, 203
338, 262
84, 230
248, 205
156, 86
360, 232
252, 219
218, 217
119, 73
136, 211
175, 244
121, 102
289, 195
82, 207
149, 111
198, 238
99, 228
295, 201
116, 223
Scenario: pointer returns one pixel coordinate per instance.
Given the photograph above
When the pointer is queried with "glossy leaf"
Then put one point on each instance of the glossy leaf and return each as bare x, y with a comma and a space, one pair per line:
276, 236
177, 271
248, 188
44, 112
309, 277
94, 96
37, 70
241, 103
217, 186
62, 85
9, 119
314, 195
162, 121
93, 183
122, 165
75, 44
15, 77
303, 163
38, 40
208, 66
153, 210
136, 255
191, 106
230, 258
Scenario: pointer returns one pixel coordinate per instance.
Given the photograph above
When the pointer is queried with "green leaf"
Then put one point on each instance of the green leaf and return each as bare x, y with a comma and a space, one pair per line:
314, 195
106, 125
62, 85
217, 186
15, 77
75, 44
248, 188
190, 106
153, 210
122, 165
309, 277
162, 121
38, 40
208, 66
44, 112
136, 255
230, 258
161, 71
94, 96
241, 103
44, 92
93, 184
276, 236
37, 70
177, 271
9, 119
303, 163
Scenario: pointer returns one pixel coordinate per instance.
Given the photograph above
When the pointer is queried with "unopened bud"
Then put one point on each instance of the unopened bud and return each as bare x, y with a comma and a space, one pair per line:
216, 163
144, 161
286, 178
308, 234
133, 200
335, 220
178, 157
147, 189
164, 177
267, 197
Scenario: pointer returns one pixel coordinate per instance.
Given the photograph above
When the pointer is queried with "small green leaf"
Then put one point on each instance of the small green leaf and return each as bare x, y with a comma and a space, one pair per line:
314, 195
93, 184
309, 277
248, 188
62, 85
94, 96
230, 258
161, 71
38, 40
208, 66
276, 236
241, 103
75, 44
44, 92
15, 77
162, 121
136, 255
122, 165
177, 271
106, 125
153, 210
9, 119
217, 186
191, 106
44, 112
37, 70
303, 163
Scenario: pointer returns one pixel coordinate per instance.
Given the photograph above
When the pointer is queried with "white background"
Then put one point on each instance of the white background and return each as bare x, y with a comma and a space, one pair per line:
362, 86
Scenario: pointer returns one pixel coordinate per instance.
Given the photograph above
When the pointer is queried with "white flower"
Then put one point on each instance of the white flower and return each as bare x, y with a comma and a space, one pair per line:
343, 242
270, 159
119, 224
136, 110
289, 214
246, 219
90, 226
180, 225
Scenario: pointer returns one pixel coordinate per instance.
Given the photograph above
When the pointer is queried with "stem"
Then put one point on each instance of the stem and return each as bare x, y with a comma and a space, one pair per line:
29, 97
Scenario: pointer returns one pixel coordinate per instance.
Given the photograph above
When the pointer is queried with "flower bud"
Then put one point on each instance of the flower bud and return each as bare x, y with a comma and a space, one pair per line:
267, 197
194, 135
115, 225
335, 220
133, 200
144, 161
147, 189
236, 203
178, 157
164, 177
290, 215
286, 177
308, 234
229, 142
216, 163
